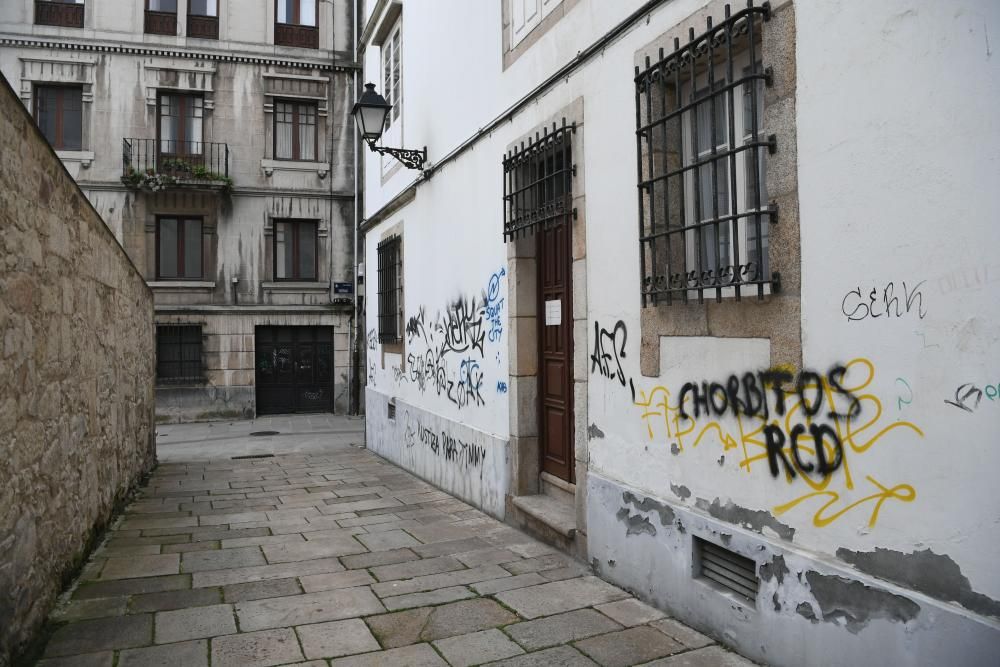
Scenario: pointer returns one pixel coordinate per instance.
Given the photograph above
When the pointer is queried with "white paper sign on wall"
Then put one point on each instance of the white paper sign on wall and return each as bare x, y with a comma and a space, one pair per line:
553, 313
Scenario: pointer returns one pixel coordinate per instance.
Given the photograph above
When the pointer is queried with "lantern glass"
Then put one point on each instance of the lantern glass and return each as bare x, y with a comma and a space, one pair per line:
370, 113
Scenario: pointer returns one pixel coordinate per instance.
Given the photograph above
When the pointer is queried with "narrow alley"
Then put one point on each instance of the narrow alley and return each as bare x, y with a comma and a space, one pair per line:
315, 549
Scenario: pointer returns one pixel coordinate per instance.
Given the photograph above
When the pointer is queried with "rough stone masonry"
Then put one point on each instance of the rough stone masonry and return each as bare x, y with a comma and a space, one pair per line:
76, 376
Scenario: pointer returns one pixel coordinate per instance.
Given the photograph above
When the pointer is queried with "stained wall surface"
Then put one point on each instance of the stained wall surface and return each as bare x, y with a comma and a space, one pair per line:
76, 375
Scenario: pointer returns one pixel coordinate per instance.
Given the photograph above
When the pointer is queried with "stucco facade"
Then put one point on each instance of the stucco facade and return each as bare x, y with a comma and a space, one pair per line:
240, 82
876, 332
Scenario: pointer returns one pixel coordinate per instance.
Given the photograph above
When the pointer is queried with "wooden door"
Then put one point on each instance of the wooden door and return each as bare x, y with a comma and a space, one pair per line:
555, 355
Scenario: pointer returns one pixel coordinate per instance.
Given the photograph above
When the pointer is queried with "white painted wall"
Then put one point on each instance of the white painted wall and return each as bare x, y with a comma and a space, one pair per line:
897, 163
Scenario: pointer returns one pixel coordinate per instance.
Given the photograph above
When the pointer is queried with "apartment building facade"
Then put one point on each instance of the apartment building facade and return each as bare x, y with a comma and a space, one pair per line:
701, 293
214, 138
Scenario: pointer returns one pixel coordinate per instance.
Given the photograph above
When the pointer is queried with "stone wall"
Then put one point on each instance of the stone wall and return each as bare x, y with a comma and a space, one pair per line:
76, 376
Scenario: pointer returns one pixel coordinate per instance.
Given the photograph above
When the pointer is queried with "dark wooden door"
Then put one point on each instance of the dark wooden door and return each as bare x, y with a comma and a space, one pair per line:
294, 369
555, 356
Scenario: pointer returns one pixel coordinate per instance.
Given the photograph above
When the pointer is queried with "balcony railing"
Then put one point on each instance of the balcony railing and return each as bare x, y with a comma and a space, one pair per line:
58, 13
161, 23
160, 163
206, 27
303, 36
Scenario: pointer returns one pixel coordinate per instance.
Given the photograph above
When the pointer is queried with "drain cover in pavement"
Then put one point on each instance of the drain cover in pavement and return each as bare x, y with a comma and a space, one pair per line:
265, 433
254, 456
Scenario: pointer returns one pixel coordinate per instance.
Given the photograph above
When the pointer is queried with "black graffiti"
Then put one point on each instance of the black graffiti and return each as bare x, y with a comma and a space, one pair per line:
462, 325
463, 453
451, 449
822, 435
372, 339
964, 395
878, 303
748, 394
606, 359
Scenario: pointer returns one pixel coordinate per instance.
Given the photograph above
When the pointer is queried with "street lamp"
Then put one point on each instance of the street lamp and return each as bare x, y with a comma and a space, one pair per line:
370, 113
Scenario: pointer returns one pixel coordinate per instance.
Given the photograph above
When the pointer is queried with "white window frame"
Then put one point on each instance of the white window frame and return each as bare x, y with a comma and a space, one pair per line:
688, 118
526, 15
391, 72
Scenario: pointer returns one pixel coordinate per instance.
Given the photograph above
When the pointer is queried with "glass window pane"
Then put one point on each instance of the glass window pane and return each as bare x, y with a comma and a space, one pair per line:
169, 130
282, 250
163, 6
203, 7
168, 248
283, 127
45, 113
72, 119
192, 248
307, 135
307, 251
307, 12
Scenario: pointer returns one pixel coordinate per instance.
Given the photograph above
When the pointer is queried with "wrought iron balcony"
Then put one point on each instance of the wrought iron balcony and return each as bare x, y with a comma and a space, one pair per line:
161, 23
58, 13
157, 164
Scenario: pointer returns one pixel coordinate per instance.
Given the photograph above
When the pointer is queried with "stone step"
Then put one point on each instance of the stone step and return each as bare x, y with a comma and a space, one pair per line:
554, 512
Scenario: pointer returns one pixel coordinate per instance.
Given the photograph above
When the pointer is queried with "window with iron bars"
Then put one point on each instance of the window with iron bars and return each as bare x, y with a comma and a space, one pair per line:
390, 289
703, 207
538, 182
178, 354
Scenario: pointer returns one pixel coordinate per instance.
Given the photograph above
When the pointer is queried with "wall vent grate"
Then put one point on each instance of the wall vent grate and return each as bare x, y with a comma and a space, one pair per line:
731, 571
391, 411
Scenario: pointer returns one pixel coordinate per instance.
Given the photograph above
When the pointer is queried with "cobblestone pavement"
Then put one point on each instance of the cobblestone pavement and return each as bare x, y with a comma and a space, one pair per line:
325, 554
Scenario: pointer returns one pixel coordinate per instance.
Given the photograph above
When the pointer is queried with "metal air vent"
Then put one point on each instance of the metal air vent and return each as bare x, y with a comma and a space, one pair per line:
731, 571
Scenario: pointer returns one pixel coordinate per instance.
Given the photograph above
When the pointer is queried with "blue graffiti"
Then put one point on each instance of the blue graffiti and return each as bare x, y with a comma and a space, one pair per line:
493, 305
501, 387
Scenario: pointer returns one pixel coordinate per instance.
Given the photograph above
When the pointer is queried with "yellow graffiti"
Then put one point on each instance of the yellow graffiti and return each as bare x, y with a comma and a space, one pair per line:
746, 433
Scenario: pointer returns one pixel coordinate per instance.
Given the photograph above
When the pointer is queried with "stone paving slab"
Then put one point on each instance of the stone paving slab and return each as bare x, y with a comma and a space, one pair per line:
334, 556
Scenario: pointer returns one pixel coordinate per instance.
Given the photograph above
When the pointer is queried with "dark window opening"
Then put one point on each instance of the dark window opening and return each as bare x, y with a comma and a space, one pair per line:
161, 17
296, 23
295, 250
390, 289
178, 354
203, 19
538, 182
63, 13
703, 209
59, 114
178, 248
295, 131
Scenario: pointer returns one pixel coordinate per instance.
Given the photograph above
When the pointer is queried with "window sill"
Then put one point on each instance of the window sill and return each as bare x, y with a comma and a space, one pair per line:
181, 284
293, 286
85, 158
270, 166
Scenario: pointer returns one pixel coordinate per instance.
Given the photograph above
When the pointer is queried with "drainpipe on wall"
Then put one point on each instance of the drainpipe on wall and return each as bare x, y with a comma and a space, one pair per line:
356, 314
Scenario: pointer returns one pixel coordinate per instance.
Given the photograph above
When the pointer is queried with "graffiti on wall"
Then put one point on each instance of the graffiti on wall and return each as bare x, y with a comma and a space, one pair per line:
889, 301
451, 449
968, 396
446, 352
809, 428
609, 350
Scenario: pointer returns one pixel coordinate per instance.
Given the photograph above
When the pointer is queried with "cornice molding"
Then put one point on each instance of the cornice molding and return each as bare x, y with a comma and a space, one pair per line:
190, 54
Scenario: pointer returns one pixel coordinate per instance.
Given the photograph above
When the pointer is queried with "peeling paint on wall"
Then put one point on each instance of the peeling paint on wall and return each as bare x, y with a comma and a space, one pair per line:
681, 491
594, 433
856, 604
936, 575
753, 519
636, 524
650, 505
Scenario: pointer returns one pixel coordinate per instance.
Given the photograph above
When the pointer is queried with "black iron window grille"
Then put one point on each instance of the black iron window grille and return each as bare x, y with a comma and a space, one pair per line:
390, 289
703, 211
538, 182
178, 354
